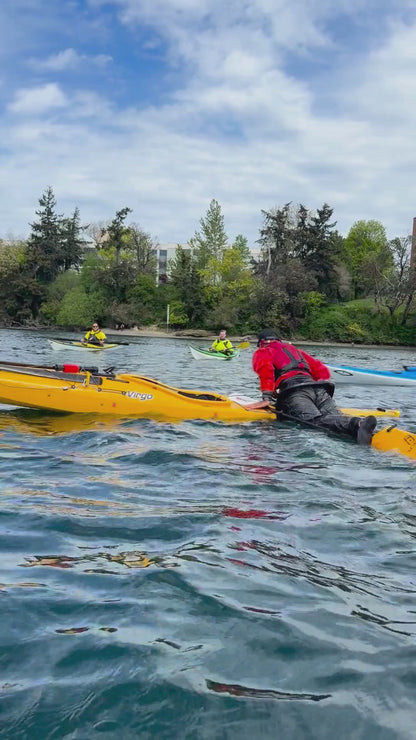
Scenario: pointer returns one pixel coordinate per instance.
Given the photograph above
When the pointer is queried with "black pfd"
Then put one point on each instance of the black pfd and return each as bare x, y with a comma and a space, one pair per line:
297, 362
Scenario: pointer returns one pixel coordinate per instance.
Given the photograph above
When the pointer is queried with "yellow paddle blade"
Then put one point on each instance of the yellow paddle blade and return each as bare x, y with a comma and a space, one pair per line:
392, 439
371, 412
243, 345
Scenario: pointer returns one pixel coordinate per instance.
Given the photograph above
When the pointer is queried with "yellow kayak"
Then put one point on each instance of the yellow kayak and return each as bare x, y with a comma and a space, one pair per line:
74, 389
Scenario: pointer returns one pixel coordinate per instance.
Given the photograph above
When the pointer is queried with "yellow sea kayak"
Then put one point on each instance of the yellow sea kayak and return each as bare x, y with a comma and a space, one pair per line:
73, 389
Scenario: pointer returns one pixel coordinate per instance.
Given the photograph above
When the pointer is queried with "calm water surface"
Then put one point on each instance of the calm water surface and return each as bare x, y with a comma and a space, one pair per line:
199, 580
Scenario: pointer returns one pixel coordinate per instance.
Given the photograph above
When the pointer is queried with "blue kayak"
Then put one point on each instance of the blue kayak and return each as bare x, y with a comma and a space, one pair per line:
364, 376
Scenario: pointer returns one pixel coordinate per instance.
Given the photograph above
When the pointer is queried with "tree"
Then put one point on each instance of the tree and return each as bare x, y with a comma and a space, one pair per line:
397, 288
211, 240
366, 251
143, 247
241, 245
73, 244
45, 251
17, 286
116, 231
318, 247
294, 233
186, 280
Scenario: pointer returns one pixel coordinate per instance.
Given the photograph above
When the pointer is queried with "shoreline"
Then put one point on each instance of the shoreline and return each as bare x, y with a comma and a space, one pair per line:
204, 336
207, 337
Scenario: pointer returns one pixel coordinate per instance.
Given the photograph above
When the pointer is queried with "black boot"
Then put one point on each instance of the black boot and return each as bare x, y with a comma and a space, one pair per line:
366, 430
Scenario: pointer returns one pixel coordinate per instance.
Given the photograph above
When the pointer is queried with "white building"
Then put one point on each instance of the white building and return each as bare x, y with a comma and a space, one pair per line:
166, 252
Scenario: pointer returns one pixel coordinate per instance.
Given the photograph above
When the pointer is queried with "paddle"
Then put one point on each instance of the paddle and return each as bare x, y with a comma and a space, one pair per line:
243, 345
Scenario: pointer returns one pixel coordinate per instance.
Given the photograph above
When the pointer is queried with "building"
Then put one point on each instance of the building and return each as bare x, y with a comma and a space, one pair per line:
166, 252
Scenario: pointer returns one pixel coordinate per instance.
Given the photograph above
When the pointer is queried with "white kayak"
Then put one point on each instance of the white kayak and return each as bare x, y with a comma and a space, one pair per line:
198, 353
362, 376
60, 344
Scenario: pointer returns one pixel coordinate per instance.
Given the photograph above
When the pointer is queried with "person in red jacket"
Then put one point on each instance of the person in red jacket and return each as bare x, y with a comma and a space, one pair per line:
299, 385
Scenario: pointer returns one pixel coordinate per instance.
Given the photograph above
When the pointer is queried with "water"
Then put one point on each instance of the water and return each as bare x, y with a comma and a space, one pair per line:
199, 580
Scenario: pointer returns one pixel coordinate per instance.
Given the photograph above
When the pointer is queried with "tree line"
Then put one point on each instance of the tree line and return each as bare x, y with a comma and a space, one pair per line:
309, 281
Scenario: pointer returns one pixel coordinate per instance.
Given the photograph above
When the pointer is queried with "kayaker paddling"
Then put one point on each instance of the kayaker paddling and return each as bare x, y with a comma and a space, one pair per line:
298, 385
94, 335
222, 344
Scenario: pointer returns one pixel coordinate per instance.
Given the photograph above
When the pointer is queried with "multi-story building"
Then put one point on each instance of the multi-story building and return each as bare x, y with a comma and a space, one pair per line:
166, 252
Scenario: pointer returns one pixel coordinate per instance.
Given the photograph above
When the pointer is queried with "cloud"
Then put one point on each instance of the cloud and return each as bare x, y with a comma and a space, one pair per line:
252, 103
69, 59
37, 100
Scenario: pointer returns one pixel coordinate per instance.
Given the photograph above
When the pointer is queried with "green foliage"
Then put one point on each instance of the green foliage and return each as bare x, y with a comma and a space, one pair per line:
177, 315
357, 322
79, 309
368, 255
295, 236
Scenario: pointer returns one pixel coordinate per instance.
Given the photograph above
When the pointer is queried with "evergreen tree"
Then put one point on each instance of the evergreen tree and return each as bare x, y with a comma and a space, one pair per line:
240, 244
45, 248
211, 240
186, 280
73, 244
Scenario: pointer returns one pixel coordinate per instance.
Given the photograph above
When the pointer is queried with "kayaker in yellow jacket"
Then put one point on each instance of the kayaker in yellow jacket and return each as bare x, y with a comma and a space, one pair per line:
222, 344
94, 335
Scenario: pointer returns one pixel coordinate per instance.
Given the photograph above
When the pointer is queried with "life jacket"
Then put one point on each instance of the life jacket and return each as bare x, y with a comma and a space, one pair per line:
297, 362
221, 345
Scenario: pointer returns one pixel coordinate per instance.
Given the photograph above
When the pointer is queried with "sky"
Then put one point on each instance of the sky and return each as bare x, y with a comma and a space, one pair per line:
163, 105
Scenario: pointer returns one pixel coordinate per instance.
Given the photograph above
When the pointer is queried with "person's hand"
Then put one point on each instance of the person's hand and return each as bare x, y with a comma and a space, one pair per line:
270, 397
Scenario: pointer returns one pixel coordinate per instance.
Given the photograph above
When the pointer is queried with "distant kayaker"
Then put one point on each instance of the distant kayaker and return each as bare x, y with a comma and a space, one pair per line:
94, 335
222, 344
299, 385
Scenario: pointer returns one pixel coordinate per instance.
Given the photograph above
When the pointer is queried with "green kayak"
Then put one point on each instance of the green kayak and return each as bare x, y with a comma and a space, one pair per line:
205, 354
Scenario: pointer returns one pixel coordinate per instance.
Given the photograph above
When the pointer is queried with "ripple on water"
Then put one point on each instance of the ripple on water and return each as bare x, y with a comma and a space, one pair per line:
201, 580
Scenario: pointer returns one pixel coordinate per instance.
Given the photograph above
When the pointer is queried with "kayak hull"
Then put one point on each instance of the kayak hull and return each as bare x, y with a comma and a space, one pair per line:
204, 354
343, 374
76, 345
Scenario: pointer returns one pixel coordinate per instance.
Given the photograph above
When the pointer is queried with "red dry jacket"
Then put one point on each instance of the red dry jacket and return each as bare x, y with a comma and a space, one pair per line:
278, 361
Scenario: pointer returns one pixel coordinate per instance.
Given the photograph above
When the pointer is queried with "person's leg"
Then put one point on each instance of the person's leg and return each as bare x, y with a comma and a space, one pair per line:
299, 402
315, 405
332, 418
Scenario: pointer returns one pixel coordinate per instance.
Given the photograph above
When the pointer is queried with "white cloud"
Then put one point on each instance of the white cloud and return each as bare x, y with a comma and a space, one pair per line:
267, 107
69, 59
36, 100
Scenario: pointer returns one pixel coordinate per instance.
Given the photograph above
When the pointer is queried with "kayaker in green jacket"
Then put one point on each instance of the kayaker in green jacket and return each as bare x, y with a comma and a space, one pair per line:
222, 344
94, 335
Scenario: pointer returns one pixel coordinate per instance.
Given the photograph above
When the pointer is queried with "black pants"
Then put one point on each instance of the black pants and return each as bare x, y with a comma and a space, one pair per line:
311, 402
